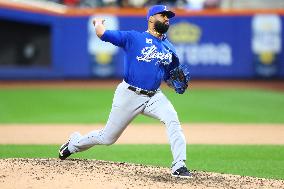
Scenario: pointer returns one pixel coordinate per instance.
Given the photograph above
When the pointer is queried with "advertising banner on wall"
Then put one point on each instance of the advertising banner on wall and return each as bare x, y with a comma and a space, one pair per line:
222, 46
204, 47
214, 47
102, 54
266, 44
65, 45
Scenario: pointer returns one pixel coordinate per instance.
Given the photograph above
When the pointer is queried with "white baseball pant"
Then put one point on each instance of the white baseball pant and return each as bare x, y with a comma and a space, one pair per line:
125, 107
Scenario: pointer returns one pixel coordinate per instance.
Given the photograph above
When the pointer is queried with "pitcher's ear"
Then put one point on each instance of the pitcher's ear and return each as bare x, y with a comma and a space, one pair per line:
151, 19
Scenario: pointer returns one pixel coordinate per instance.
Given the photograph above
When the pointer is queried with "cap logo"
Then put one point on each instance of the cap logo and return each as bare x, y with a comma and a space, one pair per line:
165, 8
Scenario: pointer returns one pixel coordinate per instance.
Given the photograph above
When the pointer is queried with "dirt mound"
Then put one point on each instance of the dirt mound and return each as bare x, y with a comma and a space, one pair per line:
75, 173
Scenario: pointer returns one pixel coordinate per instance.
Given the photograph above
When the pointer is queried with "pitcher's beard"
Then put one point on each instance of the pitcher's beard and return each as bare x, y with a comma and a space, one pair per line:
160, 27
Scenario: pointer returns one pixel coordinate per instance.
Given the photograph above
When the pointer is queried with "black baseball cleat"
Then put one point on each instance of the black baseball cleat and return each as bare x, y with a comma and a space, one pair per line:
64, 152
182, 172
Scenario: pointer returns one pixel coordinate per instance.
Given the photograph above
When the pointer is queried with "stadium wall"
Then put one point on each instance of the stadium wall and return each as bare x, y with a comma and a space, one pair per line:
46, 43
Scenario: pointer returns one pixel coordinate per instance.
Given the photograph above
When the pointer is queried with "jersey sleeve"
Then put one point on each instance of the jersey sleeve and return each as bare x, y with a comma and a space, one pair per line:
175, 59
174, 63
167, 68
117, 38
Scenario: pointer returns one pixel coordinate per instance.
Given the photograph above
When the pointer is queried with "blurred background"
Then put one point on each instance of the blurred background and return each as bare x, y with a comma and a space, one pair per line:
220, 39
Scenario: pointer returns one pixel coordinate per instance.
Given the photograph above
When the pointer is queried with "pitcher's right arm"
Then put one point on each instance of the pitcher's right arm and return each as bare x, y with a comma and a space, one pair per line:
99, 26
116, 37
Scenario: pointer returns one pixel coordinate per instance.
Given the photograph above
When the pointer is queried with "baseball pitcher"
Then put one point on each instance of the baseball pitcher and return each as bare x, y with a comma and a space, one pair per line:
149, 59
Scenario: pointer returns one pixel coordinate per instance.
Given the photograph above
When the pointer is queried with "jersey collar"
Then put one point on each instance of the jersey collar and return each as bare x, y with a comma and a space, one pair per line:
164, 36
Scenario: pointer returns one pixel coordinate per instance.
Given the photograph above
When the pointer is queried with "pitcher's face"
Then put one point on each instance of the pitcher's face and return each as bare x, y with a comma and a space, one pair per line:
161, 22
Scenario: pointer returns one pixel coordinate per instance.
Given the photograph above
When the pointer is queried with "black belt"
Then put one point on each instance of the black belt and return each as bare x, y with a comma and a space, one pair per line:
141, 91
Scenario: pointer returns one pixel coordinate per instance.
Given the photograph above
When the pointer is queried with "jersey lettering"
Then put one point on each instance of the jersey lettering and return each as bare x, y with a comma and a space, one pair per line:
150, 53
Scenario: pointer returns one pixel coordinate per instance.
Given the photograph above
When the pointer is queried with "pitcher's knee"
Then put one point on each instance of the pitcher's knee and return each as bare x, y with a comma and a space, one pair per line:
109, 141
170, 117
174, 128
173, 123
103, 138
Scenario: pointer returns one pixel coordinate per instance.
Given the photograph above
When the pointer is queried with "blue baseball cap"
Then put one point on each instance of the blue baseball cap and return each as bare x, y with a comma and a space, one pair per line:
156, 9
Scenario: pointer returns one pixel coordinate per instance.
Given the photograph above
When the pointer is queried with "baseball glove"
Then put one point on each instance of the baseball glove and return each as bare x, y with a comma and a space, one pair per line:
179, 78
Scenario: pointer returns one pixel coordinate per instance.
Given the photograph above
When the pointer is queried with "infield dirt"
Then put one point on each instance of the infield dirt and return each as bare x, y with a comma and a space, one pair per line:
74, 173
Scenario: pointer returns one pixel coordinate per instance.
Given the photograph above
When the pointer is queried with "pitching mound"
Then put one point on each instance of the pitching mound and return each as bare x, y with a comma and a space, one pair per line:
75, 173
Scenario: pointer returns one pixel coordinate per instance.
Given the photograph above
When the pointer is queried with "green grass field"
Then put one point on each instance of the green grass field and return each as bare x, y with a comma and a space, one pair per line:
93, 106
195, 106
258, 161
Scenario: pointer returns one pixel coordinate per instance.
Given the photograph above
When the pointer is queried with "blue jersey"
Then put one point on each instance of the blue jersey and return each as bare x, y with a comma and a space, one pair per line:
147, 57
